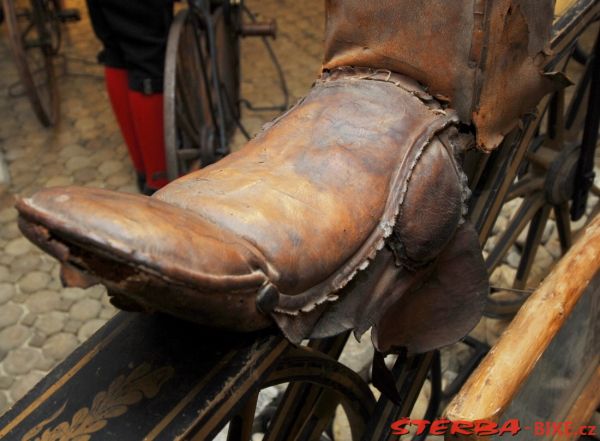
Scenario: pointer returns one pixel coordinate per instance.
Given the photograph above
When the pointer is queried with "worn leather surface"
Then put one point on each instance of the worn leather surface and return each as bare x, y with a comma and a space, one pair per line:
363, 161
150, 255
484, 57
418, 310
442, 305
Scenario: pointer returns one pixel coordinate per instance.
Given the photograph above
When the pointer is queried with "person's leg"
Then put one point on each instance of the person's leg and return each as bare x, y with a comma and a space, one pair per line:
118, 92
142, 29
117, 83
147, 115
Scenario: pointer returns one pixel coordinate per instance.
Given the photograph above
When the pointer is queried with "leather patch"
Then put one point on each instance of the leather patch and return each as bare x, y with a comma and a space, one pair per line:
445, 307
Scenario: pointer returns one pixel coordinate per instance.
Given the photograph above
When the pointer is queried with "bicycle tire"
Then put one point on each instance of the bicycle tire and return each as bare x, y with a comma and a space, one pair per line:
191, 126
43, 96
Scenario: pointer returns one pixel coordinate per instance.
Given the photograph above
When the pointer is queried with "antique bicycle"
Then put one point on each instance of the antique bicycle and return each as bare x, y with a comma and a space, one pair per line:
216, 380
34, 36
202, 81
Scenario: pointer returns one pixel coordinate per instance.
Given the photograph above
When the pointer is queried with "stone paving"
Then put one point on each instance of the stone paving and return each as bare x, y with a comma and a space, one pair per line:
40, 321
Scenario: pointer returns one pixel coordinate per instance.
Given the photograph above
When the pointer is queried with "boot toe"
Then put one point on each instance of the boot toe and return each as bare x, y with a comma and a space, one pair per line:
143, 248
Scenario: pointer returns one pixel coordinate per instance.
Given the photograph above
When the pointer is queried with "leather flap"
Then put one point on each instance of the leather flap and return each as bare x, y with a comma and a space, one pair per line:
445, 307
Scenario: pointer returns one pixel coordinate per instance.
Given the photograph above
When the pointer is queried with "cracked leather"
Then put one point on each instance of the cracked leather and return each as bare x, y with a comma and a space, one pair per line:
484, 57
290, 219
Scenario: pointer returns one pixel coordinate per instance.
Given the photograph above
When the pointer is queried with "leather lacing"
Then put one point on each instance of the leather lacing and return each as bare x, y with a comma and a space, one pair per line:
388, 236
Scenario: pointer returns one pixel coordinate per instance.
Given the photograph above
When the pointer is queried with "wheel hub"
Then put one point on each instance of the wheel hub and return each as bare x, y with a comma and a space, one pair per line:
560, 178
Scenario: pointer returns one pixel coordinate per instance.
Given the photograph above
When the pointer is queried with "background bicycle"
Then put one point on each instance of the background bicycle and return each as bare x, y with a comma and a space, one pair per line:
203, 101
35, 36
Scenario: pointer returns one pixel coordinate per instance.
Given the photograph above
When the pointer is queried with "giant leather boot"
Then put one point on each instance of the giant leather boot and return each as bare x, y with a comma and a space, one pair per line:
347, 212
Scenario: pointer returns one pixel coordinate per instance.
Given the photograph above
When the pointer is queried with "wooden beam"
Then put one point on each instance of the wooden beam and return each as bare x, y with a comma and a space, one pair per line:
498, 379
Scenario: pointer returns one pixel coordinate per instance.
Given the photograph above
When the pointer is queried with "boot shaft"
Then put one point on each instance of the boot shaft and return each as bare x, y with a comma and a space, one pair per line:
484, 57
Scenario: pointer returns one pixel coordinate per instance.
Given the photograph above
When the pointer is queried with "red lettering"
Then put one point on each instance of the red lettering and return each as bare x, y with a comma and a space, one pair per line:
486, 428
557, 429
398, 426
439, 427
462, 428
588, 430
567, 427
421, 425
510, 426
538, 429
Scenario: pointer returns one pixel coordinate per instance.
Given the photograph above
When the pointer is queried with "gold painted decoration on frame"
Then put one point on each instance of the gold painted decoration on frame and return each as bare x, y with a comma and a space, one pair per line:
124, 391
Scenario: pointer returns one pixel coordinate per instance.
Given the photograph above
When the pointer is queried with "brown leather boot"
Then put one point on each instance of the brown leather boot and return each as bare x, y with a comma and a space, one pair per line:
344, 213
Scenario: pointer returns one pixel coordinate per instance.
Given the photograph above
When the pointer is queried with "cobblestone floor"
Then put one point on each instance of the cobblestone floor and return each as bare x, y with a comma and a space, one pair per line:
41, 322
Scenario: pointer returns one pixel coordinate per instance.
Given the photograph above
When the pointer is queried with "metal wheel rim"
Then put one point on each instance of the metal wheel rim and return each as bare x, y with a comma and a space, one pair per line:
202, 123
45, 106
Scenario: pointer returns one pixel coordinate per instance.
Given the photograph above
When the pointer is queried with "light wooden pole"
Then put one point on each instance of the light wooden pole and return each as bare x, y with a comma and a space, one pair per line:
495, 383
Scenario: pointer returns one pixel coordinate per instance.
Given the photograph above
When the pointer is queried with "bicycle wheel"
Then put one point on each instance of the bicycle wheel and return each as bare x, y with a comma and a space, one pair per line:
34, 38
315, 384
200, 110
321, 389
327, 384
543, 191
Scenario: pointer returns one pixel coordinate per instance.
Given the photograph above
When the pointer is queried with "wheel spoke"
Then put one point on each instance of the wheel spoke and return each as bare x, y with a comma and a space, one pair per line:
240, 426
191, 73
526, 185
321, 416
410, 374
563, 225
435, 397
306, 365
576, 112
300, 399
189, 129
500, 176
542, 157
289, 416
529, 206
26, 40
25, 34
534, 239
202, 62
